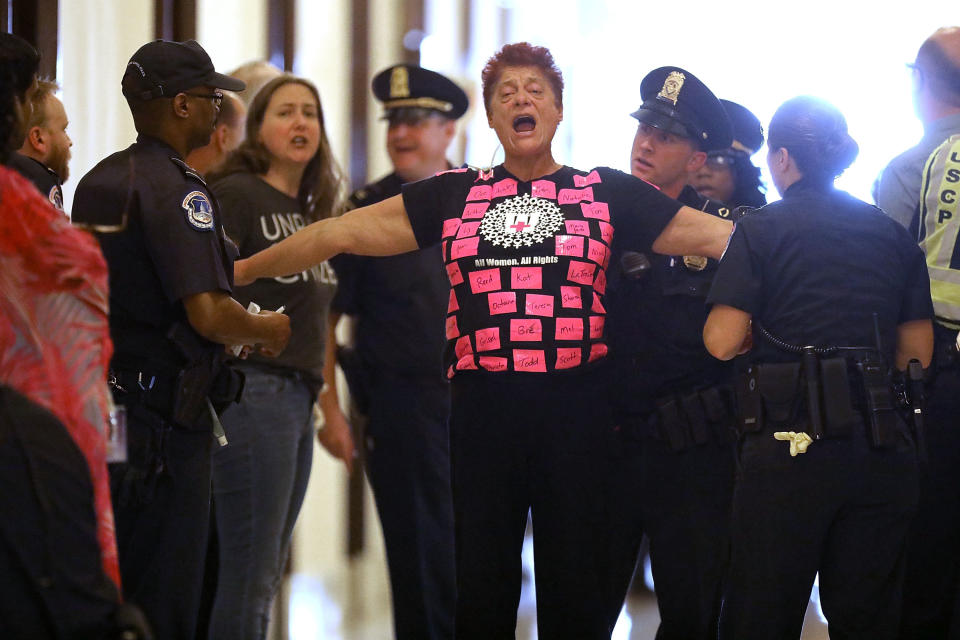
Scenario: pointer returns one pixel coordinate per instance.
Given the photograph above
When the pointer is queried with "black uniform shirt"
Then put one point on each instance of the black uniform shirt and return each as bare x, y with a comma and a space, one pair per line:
814, 267
43, 177
657, 316
400, 302
171, 247
527, 260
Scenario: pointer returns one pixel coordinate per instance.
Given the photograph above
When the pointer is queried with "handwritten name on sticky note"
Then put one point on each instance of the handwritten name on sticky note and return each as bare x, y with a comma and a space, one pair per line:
475, 209
570, 297
569, 245
452, 304
502, 302
491, 363
524, 330
452, 330
450, 226
568, 358
544, 189
581, 272
526, 277
569, 329
487, 339
573, 196
596, 326
596, 210
466, 363
463, 346
606, 232
597, 351
453, 274
600, 284
464, 248
480, 192
596, 251
591, 178
529, 360
538, 305
485, 280
597, 305
580, 227
468, 229
505, 187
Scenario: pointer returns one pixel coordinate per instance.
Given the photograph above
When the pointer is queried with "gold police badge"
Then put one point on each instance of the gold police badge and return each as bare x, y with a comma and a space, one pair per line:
400, 83
671, 87
695, 263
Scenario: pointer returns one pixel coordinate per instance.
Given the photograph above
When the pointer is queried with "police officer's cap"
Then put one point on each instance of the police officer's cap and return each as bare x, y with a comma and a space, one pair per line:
163, 68
407, 87
747, 130
676, 101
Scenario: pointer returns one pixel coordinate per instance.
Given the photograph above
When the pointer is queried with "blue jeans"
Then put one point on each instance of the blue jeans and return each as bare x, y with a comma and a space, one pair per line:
259, 480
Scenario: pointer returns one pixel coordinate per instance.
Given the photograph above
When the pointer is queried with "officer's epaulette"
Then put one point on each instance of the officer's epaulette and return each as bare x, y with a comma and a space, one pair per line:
188, 171
741, 211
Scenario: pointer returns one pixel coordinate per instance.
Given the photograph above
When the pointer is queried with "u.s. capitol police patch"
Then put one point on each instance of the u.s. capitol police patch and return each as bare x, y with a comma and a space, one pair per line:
56, 197
199, 211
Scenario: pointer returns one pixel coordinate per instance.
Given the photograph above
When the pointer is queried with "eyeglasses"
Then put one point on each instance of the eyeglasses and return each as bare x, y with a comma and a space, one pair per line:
216, 97
722, 158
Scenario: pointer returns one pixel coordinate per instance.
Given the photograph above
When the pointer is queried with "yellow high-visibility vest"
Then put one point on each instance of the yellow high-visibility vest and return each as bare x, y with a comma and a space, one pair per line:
940, 228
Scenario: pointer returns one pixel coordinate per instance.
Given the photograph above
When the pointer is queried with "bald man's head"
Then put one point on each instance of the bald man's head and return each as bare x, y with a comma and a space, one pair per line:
938, 63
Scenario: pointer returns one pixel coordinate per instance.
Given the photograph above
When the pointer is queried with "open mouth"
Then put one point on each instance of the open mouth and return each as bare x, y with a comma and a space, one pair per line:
299, 141
522, 124
642, 163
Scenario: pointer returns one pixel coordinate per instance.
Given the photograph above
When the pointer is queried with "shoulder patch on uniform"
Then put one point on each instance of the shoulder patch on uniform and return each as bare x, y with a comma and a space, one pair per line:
56, 197
198, 209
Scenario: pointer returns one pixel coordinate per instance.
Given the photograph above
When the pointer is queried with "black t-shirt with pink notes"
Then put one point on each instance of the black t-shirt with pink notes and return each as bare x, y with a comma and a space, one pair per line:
527, 260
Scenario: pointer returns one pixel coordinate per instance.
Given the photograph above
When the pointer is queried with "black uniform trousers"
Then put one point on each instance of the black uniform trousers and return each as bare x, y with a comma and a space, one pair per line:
540, 443
843, 509
52, 583
408, 465
933, 544
681, 500
161, 503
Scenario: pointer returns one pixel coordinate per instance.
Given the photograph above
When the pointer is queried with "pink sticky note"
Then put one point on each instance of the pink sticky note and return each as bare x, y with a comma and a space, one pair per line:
529, 360
591, 178
572, 196
487, 339
538, 305
597, 305
467, 362
596, 210
596, 251
580, 227
568, 358
569, 329
485, 280
491, 363
570, 297
505, 187
544, 189
450, 371
502, 302
526, 277
452, 330
450, 226
468, 229
463, 346
453, 273
452, 304
600, 284
463, 248
526, 330
596, 327
569, 246
581, 272
480, 192
597, 351
443, 249
475, 210
606, 232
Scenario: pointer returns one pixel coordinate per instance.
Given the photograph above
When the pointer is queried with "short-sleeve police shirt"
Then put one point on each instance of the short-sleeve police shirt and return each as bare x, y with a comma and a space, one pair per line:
815, 267
172, 245
527, 260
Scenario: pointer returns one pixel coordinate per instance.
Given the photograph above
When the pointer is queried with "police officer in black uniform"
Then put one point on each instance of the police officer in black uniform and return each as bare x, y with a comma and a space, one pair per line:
839, 299
170, 316
45, 179
400, 305
675, 478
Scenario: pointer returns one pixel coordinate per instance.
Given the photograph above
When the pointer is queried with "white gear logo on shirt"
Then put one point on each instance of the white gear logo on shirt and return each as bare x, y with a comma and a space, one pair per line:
521, 221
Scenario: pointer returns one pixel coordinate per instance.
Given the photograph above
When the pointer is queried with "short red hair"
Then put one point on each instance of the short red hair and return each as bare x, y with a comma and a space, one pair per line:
521, 54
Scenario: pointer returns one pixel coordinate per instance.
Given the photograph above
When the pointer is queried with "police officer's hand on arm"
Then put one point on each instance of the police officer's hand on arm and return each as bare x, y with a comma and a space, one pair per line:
335, 436
692, 232
219, 318
382, 229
